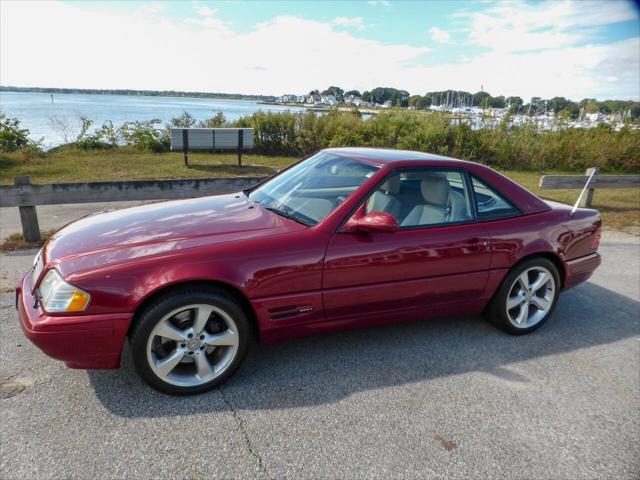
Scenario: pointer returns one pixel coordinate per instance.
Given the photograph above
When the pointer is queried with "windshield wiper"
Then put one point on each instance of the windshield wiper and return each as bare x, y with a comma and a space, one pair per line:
288, 215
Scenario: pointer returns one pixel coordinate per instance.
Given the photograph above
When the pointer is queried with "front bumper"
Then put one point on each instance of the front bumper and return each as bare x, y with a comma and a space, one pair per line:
580, 269
81, 341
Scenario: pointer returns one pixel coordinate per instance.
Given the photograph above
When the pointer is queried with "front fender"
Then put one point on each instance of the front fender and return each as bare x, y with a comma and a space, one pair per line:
123, 287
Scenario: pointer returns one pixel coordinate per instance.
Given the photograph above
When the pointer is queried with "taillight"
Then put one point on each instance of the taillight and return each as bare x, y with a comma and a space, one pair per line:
595, 239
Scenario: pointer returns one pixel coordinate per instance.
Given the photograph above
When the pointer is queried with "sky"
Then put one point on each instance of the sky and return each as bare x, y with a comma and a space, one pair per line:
576, 49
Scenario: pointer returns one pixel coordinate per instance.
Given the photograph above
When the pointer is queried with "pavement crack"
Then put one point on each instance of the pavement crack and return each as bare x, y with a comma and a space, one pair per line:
245, 435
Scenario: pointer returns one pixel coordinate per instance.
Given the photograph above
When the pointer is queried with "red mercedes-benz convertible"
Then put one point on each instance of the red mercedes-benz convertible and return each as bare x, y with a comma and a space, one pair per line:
349, 237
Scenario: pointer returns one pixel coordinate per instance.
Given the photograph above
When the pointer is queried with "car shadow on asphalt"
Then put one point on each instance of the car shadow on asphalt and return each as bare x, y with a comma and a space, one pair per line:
326, 368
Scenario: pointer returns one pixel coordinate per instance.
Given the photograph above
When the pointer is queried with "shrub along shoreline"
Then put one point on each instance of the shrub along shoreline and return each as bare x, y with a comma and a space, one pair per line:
302, 133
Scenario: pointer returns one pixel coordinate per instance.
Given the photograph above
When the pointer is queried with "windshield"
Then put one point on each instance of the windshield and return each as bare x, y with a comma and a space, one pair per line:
312, 189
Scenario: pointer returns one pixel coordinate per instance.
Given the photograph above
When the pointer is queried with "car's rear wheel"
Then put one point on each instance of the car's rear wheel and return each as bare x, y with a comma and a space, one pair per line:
527, 296
190, 341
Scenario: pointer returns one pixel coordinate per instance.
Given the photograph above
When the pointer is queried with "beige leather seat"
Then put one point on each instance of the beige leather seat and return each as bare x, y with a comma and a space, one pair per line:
458, 211
385, 198
435, 192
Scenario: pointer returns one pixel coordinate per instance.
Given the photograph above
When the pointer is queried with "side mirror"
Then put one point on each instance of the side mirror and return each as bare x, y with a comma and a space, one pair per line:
372, 222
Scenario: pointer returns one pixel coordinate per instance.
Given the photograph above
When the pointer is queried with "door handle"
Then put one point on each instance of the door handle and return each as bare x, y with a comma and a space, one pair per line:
477, 244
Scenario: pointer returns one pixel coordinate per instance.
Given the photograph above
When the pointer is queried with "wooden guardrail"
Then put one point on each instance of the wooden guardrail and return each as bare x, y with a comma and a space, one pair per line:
26, 196
556, 182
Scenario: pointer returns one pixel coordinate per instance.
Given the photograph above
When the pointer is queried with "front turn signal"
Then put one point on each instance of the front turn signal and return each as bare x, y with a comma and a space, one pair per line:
58, 296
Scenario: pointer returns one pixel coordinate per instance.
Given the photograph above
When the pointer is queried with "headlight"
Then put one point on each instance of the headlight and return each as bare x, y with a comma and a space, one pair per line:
57, 295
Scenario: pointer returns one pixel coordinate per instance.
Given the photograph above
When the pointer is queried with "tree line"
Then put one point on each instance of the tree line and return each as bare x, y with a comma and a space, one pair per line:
460, 98
146, 93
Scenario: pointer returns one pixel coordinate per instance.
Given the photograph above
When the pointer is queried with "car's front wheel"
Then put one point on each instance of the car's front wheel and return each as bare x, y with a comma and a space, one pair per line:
190, 341
527, 296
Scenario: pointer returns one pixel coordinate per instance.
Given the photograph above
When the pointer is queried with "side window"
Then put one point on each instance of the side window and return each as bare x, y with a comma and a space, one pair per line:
423, 197
491, 205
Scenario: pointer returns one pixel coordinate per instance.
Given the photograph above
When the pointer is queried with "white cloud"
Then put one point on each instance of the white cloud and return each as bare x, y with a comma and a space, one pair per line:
156, 53
205, 11
206, 19
68, 45
151, 8
440, 36
519, 27
211, 23
384, 3
572, 72
355, 22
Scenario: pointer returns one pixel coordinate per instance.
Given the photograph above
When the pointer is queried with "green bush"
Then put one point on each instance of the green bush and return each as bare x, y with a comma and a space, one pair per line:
138, 136
92, 141
218, 121
145, 136
13, 137
519, 147
302, 133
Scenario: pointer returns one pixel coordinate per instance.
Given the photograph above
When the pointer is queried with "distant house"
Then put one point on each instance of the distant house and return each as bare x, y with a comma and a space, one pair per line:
387, 104
329, 100
355, 100
324, 100
352, 100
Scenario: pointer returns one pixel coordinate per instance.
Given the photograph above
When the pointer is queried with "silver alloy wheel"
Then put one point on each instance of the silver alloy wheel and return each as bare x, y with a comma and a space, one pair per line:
192, 345
530, 297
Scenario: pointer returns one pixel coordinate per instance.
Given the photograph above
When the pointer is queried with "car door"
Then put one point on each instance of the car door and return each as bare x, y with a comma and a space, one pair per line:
437, 259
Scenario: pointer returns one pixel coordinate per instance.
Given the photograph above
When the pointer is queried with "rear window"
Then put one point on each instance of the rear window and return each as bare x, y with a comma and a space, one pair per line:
490, 204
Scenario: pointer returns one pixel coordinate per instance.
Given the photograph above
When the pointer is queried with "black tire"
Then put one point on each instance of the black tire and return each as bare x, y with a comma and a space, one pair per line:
156, 311
497, 309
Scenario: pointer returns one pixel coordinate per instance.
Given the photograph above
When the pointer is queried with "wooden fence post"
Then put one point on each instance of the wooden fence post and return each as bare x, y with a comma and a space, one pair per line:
28, 214
591, 191
240, 145
185, 146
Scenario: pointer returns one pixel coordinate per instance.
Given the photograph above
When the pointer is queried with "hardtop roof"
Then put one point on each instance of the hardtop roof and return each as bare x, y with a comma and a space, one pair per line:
383, 156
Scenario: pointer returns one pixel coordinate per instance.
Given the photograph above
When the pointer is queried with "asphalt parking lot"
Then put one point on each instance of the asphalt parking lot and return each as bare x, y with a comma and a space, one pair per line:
450, 399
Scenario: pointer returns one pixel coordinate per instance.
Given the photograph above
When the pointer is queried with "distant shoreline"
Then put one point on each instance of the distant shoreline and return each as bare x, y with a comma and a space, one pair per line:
325, 108
137, 93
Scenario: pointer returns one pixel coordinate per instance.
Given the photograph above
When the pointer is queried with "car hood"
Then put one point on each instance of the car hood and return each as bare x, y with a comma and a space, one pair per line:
160, 227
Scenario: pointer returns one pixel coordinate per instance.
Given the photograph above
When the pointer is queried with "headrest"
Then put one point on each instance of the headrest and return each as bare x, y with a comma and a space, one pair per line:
435, 190
391, 186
